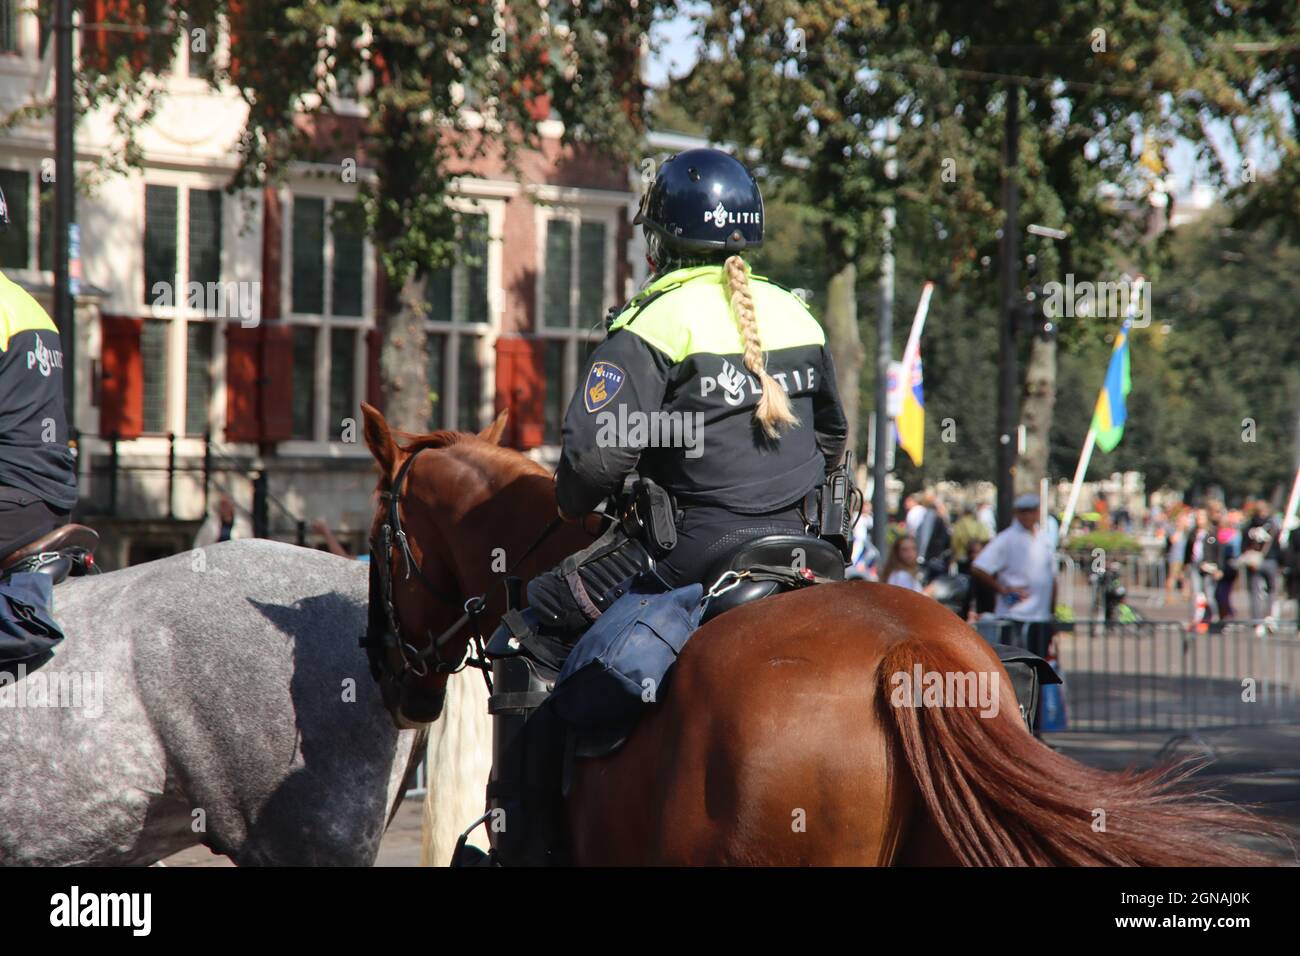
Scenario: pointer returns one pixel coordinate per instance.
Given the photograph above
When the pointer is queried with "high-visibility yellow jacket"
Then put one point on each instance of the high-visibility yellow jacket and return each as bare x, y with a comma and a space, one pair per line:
668, 394
34, 455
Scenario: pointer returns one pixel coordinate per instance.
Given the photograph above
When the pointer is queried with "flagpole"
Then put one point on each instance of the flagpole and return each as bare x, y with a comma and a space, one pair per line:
1085, 457
1090, 442
913, 347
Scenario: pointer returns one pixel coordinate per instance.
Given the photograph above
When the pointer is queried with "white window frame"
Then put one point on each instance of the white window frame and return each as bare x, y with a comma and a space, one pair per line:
575, 205
179, 78
24, 61
17, 165
179, 314
486, 333
323, 441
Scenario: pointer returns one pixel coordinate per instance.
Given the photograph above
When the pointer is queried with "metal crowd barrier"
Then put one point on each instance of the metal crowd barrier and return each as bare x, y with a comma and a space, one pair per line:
1160, 675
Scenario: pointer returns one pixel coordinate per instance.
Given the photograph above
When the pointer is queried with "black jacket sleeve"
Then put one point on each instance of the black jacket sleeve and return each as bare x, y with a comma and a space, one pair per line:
829, 423
597, 454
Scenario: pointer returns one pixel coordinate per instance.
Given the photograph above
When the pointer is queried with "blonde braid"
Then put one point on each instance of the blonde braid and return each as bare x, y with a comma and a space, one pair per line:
773, 410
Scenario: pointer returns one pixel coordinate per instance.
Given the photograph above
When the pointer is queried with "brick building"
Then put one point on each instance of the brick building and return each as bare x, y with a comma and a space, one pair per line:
179, 400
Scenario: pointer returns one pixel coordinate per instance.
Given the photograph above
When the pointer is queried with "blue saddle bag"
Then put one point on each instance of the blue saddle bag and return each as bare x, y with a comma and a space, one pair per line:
619, 664
27, 631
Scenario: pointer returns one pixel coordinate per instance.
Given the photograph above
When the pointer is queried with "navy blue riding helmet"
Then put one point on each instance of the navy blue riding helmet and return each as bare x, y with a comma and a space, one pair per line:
702, 201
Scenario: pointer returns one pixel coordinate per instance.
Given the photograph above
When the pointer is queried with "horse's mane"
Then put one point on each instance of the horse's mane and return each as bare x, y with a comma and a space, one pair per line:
484, 455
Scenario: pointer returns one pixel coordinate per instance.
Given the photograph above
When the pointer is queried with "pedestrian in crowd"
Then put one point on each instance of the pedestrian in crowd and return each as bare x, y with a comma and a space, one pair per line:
1221, 546
902, 569
864, 561
988, 516
1102, 509
1200, 542
1020, 567
1261, 556
914, 511
981, 599
969, 530
1229, 552
223, 524
1175, 552
933, 538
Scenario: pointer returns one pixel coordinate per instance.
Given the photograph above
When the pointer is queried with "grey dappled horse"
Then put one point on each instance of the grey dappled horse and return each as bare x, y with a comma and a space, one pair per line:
237, 712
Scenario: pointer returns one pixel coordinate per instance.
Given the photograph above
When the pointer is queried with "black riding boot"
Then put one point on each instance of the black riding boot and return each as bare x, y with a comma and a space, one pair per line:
526, 821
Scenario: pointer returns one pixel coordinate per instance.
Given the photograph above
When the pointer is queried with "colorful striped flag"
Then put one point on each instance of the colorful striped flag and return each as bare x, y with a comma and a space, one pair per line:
1112, 406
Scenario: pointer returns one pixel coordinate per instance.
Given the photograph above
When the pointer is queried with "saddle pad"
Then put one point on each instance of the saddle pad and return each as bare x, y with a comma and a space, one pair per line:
619, 665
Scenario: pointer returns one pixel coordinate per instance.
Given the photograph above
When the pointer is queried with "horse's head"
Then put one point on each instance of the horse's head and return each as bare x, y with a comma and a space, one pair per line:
453, 508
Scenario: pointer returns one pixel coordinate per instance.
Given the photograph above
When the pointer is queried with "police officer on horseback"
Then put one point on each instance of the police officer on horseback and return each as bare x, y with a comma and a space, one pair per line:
38, 479
711, 410
714, 384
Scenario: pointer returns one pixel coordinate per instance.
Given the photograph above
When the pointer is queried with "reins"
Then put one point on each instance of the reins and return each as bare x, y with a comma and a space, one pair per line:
416, 661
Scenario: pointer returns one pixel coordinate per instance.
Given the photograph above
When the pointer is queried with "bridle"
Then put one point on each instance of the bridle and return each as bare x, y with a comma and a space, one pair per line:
414, 662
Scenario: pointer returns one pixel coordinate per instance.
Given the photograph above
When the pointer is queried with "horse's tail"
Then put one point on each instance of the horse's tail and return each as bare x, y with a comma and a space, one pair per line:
999, 797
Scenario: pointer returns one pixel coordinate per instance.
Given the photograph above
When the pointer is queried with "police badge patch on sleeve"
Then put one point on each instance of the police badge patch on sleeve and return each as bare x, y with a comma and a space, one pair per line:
603, 382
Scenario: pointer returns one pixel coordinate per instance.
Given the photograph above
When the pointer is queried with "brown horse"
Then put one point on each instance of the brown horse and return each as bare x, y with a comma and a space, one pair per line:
783, 739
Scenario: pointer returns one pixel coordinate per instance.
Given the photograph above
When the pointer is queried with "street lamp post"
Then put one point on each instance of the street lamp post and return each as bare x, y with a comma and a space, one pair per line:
65, 186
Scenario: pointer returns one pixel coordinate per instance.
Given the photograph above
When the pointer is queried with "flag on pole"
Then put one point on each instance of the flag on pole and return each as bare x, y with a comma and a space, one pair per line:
911, 419
1112, 408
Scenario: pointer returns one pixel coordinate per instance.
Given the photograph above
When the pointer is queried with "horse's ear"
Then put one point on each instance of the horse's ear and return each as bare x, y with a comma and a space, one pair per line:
379, 438
494, 431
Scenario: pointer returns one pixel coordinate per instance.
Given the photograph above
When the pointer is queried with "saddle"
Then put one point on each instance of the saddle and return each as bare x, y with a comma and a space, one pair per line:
767, 565
67, 550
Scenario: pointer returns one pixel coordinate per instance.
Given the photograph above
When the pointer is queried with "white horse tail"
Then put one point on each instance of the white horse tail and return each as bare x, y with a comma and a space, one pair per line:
457, 768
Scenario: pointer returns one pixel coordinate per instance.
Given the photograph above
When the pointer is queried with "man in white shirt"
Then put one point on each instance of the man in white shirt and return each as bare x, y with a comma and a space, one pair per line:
914, 515
1020, 566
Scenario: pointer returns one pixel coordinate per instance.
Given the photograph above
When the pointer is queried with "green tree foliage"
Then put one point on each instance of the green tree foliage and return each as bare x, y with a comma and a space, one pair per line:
1216, 377
1104, 89
303, 67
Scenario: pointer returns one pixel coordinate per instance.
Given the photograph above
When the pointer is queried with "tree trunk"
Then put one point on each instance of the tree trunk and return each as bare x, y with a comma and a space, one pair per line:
1036, 411
844, 342
403, 360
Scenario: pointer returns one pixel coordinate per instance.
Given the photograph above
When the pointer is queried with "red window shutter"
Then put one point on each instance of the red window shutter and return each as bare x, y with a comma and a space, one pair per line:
103, 46
374, 380
121, 384
94, 43
272, 230
235, 17
521, 388
277, 382
538, 100
242, 368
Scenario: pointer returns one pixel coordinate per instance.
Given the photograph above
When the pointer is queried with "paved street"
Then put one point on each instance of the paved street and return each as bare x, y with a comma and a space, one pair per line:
1252, 766
1259, 765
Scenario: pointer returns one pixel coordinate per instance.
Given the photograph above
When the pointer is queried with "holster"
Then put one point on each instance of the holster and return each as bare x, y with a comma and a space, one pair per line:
828, 508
